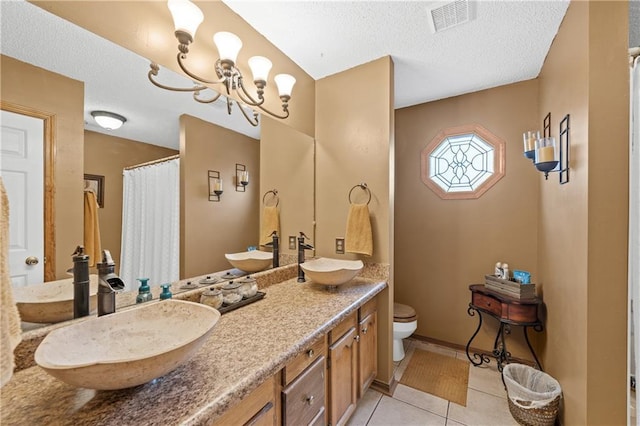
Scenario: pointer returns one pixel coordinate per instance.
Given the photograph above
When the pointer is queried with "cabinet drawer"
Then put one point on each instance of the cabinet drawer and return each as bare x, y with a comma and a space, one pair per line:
487, 303
257, 408
368, 308
304, 398
339, 330
304, 359
522, 313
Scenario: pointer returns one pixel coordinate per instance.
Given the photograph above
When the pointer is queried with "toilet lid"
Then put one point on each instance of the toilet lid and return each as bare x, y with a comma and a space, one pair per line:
403, 313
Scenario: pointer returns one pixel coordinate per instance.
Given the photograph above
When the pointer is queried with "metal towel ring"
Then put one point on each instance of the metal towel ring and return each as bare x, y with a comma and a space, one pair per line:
362, 186
275, 194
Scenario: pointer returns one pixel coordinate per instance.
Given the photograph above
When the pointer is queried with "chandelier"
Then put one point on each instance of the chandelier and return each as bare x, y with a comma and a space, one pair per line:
187, 17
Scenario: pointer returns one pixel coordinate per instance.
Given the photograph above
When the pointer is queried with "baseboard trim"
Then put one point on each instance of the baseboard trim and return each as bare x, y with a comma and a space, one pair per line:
385, 388
463, 348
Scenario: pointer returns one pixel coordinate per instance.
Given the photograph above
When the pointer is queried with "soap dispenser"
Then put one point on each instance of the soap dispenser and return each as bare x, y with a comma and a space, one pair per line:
144, 293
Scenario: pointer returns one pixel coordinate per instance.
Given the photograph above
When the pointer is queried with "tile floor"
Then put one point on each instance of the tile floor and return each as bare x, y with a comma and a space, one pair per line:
486, 399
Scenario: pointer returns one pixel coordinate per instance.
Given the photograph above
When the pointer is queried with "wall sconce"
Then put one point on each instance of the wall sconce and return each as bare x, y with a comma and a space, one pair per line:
242, 178
215, 185
547, 154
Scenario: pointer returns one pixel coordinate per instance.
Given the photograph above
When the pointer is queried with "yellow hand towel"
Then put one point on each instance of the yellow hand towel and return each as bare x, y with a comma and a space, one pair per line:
270, 223
359, 238
10, 332
92, 241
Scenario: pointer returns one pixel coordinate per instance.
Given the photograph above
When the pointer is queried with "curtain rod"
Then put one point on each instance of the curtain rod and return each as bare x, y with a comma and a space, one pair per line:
150, 163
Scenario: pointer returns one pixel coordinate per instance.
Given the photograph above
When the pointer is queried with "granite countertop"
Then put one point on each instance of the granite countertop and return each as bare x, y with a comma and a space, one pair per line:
247, 346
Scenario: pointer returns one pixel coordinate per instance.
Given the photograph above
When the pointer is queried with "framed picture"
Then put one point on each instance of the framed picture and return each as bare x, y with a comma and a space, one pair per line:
96, 184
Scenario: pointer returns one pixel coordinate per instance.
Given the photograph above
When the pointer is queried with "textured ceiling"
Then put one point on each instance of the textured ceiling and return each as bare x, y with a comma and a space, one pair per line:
506, 43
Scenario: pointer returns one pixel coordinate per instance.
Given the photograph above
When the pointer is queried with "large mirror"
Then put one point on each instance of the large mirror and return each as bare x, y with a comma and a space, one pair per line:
159, 124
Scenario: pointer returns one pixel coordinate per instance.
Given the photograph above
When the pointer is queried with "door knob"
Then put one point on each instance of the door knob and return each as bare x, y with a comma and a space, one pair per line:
31, 260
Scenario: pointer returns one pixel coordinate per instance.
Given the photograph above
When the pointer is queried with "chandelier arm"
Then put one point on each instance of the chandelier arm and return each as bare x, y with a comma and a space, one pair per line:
175, 89
206, 101
249, 100
285, 115
194, 76
254, 121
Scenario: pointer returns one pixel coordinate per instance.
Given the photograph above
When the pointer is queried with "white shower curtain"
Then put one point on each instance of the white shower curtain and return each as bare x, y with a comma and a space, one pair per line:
634, 220
151, 224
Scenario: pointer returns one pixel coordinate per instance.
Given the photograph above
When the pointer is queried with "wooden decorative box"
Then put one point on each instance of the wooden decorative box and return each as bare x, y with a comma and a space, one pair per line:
510, 288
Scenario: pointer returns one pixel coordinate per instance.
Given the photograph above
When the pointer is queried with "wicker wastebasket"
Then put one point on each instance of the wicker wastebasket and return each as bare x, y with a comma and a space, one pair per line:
533, 395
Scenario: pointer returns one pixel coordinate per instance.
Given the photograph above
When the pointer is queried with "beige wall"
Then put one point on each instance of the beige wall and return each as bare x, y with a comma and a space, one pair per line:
354, 144
443, 246
286, 165
583, 224
146, 28
208, 229
28, 86
107, 156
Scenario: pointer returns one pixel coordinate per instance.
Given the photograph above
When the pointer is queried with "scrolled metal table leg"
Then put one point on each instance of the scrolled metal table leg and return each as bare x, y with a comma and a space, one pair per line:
538, 328
478, 359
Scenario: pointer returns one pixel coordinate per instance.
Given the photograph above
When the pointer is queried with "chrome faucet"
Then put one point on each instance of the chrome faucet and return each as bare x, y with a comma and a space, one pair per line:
302, 246
108, 284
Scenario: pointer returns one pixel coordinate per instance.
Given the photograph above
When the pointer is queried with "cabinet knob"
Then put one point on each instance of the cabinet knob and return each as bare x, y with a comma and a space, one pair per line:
309, 399
364, 330
310, 353
357, 338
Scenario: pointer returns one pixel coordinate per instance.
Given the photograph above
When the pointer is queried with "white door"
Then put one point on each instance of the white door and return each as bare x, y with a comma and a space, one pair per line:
22, 171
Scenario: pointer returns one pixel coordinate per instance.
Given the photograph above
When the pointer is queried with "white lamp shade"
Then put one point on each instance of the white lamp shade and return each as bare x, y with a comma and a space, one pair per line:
108, 120
260, 67
186, 16
285, 84
228, 45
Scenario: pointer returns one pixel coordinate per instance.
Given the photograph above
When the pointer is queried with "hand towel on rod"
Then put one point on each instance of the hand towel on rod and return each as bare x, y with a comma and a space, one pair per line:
270, 223
359, 237
10, 332
92, 243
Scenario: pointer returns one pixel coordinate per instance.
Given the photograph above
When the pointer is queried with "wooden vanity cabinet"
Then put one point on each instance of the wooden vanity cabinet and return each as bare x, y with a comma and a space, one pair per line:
343, 370
367, 346
258, 408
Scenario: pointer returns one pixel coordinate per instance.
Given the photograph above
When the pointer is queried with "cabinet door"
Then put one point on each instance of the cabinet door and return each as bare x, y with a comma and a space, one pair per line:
368, 352
343, 378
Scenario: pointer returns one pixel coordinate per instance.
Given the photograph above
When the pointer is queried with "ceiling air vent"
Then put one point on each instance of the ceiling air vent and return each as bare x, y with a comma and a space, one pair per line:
451, 14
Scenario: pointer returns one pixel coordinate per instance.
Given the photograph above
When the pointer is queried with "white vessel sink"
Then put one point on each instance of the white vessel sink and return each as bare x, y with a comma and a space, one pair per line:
51, 301
127, 348
250, 261
331, 272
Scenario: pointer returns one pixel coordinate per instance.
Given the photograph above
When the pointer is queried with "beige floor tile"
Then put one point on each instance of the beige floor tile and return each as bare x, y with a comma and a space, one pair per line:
486, 378
391, 412
422, 400
454, 423
408, 353
482, 410
365, 408
426, 346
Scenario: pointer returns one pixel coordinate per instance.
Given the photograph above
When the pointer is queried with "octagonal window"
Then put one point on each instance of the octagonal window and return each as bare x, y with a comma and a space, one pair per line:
463, 162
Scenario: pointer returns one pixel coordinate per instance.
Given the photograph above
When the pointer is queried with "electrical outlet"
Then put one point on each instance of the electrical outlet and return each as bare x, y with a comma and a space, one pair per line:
292, 242
340, 245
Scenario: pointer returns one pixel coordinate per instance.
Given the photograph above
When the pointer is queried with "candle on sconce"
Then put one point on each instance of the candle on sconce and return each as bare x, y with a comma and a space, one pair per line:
545, 154
529, 139
217, 185
244, 177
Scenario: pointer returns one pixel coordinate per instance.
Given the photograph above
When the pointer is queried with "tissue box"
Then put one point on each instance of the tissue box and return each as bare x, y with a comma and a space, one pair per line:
510, 288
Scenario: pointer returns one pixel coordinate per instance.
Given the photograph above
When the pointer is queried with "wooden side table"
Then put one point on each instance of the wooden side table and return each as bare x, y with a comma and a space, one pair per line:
509, 311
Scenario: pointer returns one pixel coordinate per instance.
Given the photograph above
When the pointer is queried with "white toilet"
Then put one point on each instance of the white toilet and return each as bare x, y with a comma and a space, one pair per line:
405, 322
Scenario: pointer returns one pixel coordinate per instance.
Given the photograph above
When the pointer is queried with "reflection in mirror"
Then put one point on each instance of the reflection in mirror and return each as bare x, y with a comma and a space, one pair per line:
159, 124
